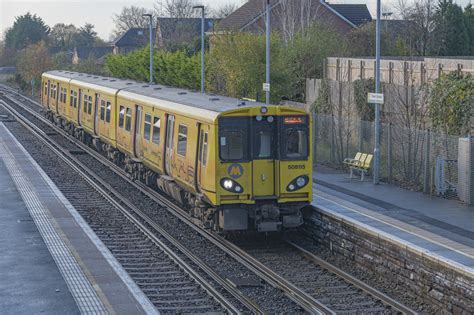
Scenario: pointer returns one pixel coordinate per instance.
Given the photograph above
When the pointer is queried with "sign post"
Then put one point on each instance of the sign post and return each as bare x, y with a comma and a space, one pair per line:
377, 100
32, 88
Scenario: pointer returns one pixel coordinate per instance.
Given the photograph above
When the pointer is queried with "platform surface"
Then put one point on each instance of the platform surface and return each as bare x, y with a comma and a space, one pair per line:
435, 226
51, 261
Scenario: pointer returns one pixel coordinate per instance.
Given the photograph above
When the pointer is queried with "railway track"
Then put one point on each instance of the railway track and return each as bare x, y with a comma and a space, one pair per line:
269, 264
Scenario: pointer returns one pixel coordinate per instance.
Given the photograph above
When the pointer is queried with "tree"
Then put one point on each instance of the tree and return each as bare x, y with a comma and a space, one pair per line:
86, 36
237, 66
33, 61
63, 36
223, 10
27, 29
469, 21
450, 33
131, 17
451, 102
176, 8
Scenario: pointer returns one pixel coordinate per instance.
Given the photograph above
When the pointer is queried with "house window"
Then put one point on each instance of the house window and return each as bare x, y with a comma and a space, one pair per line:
156, 130
107, 112
128, 119
147, 129
121, 116
102, 110
182, 139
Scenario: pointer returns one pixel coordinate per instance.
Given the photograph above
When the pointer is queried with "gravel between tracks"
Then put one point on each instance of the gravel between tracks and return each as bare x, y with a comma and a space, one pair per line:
267, 297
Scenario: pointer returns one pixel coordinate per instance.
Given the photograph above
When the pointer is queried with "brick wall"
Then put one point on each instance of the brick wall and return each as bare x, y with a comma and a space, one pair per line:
431, 281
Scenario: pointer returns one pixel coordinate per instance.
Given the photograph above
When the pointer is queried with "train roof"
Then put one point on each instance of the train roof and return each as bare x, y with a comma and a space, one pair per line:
209, 102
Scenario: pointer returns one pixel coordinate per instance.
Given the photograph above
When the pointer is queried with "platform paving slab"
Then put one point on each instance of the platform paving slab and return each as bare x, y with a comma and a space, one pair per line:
85, 272
443, 229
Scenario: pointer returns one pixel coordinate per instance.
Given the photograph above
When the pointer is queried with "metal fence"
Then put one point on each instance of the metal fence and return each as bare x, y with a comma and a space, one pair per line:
415, 159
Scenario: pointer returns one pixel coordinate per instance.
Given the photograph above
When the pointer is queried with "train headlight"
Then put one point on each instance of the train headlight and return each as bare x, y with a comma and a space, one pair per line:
228, 184
298, 183
231, 185
301, 181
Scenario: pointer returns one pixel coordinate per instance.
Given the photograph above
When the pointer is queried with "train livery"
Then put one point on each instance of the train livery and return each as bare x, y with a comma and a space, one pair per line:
234, 165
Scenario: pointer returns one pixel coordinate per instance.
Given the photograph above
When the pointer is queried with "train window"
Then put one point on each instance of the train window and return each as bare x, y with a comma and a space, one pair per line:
89, 110
231, 144
147, 127
107, 112
85, 103
121, 116
102, 110
128, 119
75, 99
264, 143
71, 98
296, 143
156, 130
182, 139
204, 150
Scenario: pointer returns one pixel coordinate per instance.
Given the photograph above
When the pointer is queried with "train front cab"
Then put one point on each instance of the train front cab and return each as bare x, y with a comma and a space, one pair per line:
264, 168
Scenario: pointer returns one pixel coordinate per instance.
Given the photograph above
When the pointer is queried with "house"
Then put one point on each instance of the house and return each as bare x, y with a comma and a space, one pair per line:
96, 53
169, 32
289, 15
133, 39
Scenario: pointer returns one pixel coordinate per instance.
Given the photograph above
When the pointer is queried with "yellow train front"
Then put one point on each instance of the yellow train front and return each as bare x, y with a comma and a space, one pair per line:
235, 165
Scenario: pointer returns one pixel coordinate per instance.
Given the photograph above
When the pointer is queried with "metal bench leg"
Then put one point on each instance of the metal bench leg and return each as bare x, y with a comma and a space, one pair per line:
362, 173
352, 173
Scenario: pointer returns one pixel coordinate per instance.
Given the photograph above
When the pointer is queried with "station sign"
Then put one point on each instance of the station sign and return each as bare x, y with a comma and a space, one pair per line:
375, 98
266, 87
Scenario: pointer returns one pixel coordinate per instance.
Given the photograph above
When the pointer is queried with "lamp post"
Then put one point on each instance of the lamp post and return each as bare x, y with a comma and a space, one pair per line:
202, 45
151, 46
376, 177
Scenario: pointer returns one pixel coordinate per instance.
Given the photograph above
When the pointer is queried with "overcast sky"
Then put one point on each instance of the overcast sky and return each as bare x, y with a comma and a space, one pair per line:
101, 12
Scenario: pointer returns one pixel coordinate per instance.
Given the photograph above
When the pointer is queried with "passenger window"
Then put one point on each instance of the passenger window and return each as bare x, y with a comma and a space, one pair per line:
85, 103
102, 110
296, 143
128, 119
89, 111
147, 127
121, 116
231, 145
204, 150
182, 139
156, 130
75, 99
107, 112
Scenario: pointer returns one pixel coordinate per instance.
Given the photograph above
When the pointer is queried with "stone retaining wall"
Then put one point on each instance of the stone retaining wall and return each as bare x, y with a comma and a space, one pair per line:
434, 282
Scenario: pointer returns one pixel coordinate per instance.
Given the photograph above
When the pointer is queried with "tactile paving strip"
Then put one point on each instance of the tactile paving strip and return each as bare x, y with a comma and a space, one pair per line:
81, 289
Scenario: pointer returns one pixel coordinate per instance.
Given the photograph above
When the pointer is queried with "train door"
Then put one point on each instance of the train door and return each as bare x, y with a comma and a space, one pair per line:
48, 95
263, 152
56, 96
137, 136
200, 163
169, 143
79, 108
96, 114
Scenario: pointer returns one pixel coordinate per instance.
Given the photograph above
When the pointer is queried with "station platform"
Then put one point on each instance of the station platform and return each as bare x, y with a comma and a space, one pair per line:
440, 228
52, 262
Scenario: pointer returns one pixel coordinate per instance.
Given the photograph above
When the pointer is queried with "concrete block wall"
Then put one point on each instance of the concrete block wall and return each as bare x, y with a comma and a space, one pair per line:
432, 281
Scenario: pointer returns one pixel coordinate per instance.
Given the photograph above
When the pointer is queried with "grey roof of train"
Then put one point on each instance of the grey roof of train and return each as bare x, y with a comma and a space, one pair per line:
210, 102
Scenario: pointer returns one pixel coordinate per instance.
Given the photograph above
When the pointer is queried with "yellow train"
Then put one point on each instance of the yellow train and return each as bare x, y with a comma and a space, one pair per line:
235, 165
